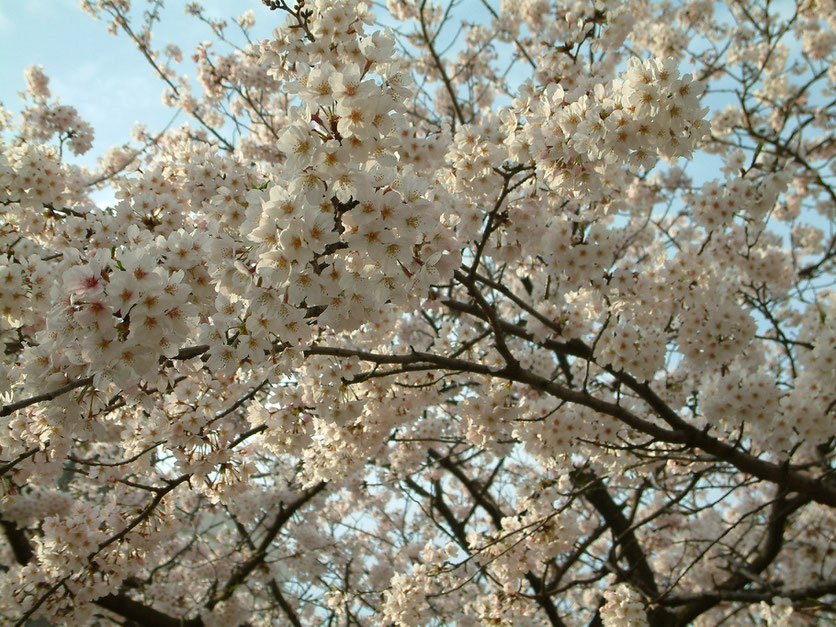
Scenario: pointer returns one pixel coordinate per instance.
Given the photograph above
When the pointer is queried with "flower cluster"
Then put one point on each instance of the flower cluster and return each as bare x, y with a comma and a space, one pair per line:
45, 120
623, 607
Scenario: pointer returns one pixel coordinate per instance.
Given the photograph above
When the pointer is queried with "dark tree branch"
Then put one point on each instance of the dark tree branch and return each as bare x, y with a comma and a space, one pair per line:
240, 574
480, 496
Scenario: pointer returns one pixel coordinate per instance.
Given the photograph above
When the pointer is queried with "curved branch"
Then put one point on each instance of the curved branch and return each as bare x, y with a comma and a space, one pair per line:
772, 543
243, 570
594, 491
480, 496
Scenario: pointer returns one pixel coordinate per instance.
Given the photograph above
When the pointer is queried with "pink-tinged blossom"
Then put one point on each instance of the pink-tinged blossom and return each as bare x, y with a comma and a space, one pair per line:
84, 280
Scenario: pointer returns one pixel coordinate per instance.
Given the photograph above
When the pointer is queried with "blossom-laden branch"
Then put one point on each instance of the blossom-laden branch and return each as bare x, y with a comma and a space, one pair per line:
468, 273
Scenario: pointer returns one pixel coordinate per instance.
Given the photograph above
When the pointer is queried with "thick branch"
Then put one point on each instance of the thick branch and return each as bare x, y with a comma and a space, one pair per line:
741, 576
493, 510
803, 595
21, 547
683, 432
141, 614
256, 559
185, 353
596, 493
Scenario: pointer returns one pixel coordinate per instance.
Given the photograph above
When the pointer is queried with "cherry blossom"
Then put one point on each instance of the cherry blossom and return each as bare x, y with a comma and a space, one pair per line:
428, 316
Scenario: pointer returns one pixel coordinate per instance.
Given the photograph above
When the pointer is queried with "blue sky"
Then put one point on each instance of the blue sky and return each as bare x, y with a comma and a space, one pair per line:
104, 77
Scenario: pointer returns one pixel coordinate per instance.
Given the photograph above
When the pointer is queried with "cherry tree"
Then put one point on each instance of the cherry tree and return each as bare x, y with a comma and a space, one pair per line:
416, 320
